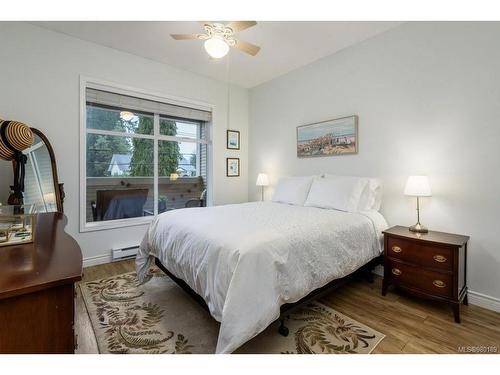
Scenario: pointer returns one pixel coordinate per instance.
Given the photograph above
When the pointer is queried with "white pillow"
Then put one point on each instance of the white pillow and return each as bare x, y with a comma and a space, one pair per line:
375, 200
371, 197
292, 190
338, 192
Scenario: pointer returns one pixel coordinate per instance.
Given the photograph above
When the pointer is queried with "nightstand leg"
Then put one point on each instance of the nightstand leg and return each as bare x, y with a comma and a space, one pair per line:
466, 300
456, 312
384, 287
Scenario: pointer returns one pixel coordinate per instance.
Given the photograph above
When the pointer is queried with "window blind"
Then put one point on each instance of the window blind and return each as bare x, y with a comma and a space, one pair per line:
144, 105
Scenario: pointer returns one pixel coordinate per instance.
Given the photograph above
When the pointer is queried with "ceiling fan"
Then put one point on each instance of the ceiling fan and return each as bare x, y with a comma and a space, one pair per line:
219, 37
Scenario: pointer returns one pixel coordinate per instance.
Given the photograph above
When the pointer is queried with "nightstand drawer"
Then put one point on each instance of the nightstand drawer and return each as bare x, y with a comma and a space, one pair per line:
436, 283
438, 257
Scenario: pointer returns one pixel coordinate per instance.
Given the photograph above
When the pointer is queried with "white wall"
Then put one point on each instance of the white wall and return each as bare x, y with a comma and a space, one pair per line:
428, 100
39, 85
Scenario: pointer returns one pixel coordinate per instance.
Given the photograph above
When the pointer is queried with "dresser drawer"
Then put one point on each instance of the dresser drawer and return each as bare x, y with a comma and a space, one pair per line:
437, 257
433, 282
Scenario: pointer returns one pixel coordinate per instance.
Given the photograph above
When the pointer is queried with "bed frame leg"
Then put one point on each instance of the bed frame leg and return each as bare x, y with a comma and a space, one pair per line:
368, 274
283, 330
369, 268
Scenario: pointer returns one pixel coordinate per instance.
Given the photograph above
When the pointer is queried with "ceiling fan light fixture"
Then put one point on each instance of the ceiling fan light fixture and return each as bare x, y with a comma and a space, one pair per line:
216, 47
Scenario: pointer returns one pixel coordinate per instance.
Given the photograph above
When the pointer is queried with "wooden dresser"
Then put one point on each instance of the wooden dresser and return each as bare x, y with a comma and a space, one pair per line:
431, 265
37, 290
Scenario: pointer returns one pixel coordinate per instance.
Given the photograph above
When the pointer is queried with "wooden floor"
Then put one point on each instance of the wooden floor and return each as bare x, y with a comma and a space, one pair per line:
411, 325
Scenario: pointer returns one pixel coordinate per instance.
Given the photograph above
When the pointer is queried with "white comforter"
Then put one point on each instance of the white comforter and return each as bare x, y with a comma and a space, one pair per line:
246, 260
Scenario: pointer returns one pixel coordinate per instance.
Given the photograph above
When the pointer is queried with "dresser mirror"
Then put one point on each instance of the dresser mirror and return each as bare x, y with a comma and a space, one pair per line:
41, 185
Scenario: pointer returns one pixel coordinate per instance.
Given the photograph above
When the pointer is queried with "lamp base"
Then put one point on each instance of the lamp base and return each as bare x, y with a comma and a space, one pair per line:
418, 228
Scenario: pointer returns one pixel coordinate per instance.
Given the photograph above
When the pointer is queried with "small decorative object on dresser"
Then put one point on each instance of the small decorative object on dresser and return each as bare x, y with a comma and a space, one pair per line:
15, 137
16, 224
431, 265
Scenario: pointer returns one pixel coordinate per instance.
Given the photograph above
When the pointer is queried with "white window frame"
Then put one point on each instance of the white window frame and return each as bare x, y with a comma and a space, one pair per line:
93, 83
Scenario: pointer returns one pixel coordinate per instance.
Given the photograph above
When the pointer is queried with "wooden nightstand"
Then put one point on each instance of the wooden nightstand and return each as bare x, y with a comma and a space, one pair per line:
431, 265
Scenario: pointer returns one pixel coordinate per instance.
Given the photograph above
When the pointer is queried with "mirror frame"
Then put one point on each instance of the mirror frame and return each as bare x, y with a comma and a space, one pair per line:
58, 187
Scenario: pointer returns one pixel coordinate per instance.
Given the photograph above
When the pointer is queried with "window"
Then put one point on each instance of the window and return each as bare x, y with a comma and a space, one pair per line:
142, 157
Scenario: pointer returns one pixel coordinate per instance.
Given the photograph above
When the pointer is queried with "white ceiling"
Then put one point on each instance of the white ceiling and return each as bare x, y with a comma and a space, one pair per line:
285, 46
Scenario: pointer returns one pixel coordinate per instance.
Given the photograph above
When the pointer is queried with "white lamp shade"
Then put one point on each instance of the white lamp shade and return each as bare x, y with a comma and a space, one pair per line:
418, 186
262, 180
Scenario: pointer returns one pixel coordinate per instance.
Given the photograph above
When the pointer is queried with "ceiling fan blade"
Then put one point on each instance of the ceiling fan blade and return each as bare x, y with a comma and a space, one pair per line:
184, 36
249, 48
238, 26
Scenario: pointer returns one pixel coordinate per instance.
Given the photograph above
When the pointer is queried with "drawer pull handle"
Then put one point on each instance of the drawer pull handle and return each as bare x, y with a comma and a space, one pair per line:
440, 258
439, 283
396, 271
396, 249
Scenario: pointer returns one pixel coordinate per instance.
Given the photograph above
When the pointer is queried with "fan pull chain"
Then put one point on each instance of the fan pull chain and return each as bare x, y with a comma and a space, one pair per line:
228, 111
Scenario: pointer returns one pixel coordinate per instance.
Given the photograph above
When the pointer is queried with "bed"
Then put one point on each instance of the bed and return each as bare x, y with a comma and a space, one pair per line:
246, 261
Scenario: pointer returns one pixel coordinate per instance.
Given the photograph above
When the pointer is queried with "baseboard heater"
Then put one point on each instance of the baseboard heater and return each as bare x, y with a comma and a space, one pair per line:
124, 253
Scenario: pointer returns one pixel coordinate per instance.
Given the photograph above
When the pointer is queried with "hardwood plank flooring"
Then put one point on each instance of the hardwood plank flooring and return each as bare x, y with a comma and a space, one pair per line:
411, 325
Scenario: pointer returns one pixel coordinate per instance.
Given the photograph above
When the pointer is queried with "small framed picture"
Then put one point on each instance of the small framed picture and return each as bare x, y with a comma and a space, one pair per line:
232, 167
233, 139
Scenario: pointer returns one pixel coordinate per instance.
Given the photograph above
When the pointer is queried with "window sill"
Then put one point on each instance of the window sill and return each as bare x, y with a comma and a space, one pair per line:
115, 224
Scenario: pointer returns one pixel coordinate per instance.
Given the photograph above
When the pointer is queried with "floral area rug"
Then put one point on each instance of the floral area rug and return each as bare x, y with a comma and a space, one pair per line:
159, 317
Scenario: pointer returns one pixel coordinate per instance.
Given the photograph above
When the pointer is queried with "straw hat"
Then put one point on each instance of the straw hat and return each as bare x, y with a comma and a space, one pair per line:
14, 136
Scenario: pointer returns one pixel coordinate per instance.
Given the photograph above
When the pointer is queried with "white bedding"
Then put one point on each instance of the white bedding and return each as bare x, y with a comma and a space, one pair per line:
246, 260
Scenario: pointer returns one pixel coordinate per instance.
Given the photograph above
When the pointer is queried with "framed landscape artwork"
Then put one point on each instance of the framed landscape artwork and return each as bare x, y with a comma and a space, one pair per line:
233, 139
232, 167
328, 138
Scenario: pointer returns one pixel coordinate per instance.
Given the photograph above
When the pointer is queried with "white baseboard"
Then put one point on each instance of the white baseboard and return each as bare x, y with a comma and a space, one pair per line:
483, 300
96, 260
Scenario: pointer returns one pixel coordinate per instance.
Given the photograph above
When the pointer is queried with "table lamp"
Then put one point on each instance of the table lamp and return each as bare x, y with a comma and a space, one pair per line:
262, 180
418, 186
